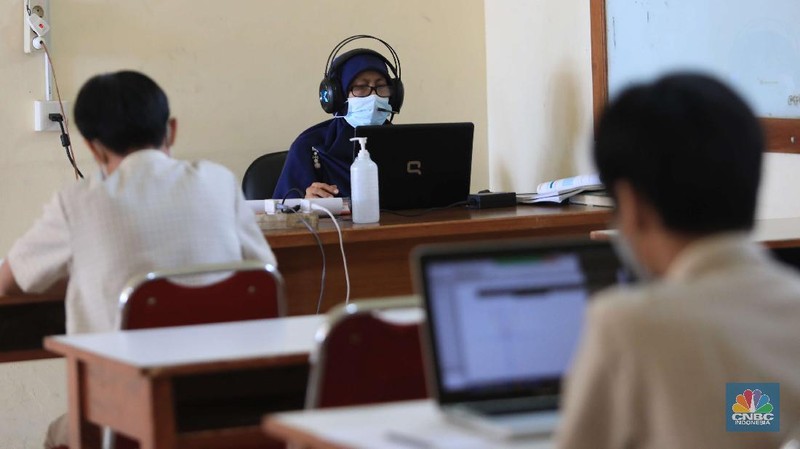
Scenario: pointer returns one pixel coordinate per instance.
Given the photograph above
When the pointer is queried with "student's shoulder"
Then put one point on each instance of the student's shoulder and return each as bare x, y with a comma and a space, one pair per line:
629, 308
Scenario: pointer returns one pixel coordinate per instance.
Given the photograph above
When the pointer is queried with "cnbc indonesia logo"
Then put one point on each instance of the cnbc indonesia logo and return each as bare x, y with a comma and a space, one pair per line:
753, 409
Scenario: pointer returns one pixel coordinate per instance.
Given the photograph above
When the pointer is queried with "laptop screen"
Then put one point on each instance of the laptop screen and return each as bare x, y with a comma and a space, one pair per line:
421, 165
505, 322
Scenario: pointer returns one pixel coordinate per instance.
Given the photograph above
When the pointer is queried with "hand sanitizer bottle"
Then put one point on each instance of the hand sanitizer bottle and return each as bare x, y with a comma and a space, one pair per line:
364, 201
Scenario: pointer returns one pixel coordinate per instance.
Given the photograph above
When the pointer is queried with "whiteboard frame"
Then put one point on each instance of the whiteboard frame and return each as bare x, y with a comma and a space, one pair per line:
782, 135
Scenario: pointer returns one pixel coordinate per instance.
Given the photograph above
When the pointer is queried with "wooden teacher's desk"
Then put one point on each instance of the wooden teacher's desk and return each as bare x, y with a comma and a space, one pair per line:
193, 386
377, 258
378, 255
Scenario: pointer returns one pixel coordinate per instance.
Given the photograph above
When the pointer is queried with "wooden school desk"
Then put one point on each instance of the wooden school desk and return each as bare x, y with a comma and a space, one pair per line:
395, 425
378, 255
299, 260
24, 321
774, 233
192, 386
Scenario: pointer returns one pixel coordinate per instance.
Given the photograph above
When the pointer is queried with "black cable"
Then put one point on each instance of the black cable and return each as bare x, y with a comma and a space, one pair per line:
293, 189
426, 211
62, 117
321, 250
58, 118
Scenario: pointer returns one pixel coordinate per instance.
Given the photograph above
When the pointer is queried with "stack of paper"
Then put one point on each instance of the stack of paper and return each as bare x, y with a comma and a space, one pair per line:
561, 189
599, 198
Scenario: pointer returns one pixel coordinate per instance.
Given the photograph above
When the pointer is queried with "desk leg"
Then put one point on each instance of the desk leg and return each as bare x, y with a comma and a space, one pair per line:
160, 432
80, 430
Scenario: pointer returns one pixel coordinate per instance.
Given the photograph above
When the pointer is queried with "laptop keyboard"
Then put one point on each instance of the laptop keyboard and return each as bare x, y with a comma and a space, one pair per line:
513, 406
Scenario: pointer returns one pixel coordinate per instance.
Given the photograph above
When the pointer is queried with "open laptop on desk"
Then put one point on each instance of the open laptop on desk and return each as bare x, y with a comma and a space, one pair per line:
503, 323
420, 166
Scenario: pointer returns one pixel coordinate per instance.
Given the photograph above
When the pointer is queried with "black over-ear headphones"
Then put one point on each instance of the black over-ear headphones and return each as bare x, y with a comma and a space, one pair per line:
331, 97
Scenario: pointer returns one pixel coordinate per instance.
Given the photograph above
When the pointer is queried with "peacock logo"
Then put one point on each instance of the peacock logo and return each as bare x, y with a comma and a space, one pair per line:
752, 401
755, 407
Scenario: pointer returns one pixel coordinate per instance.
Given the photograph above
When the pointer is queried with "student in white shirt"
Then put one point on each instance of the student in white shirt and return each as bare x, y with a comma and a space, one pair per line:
145, 210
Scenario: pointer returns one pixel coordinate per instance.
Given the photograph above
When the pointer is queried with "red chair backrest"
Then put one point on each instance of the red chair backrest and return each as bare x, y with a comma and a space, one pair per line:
365, 360
245, 295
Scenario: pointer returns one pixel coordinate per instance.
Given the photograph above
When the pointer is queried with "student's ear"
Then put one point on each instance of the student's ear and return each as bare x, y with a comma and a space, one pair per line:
172, 128
99, 155
628, 206
634, 211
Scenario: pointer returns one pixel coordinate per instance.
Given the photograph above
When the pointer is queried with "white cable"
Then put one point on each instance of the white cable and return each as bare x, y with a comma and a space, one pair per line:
314, 206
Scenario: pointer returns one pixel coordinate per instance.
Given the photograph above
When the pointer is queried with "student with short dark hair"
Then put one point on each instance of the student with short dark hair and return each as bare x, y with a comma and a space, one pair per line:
144, 212
659, 360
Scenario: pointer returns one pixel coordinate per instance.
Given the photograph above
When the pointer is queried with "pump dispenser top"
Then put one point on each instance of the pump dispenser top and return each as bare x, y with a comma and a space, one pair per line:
364, 202
361, 141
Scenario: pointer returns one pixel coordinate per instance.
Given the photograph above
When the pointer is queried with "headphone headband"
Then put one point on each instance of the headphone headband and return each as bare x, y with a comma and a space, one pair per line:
338, 47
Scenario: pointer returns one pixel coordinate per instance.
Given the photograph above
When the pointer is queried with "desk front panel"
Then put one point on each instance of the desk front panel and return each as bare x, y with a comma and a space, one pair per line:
25, 321
378, 256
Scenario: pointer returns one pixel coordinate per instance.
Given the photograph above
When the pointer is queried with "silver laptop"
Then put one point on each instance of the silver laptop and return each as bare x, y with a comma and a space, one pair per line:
503, 323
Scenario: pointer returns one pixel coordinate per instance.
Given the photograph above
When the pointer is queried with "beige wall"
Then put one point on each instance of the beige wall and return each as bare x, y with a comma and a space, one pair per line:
539, 90
242, 82
241, 91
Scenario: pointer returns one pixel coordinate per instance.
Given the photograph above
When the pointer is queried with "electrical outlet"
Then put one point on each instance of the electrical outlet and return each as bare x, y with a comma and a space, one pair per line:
41, 115
42, 9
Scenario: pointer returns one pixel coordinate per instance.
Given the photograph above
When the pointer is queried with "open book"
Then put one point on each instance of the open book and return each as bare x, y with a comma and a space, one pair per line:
561, 189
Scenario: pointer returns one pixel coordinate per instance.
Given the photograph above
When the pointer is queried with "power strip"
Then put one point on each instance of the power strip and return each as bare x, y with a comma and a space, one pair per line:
335, 205
287, 221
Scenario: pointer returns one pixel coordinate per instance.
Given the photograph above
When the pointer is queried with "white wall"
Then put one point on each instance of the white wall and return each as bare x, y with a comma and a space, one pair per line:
539, 89
780, 187
242, 80
538, 59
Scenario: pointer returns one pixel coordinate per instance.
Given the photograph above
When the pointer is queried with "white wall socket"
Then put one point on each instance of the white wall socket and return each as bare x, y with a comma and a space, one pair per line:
42, 9
41, 115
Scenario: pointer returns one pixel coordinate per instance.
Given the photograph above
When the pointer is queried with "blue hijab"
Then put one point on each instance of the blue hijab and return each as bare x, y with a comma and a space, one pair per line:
330, 139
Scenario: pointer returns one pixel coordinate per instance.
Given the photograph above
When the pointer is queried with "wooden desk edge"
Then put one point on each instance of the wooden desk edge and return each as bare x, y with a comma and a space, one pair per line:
228, 365
29, 299
273, 427
569, 218
27, 355
246, 436
59, 347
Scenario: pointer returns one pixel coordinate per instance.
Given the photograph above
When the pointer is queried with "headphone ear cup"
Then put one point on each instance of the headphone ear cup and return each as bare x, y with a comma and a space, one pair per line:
329, 95
398, 92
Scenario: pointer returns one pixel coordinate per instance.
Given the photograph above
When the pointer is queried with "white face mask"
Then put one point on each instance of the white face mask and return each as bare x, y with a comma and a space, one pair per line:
371, 110
627, 256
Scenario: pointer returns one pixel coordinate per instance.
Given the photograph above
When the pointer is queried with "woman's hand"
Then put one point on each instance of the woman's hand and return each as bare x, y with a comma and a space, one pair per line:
321, 190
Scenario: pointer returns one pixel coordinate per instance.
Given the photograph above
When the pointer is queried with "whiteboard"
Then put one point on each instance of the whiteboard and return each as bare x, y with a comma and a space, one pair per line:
753, 45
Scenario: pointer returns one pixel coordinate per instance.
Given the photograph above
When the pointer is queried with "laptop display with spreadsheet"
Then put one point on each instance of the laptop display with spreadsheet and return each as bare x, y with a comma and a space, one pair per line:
420, 166
503, 324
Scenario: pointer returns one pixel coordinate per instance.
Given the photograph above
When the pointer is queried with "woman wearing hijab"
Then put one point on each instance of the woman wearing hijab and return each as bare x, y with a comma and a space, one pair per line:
318, 162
